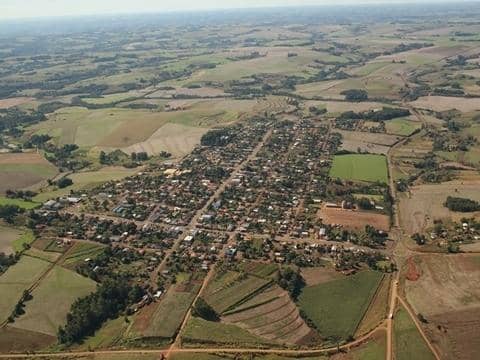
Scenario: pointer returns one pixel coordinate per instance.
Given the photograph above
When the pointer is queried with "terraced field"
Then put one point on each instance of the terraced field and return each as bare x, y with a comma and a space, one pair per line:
273, 316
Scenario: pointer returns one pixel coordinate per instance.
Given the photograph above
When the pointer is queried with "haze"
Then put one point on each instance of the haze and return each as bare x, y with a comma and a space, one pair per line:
10, 9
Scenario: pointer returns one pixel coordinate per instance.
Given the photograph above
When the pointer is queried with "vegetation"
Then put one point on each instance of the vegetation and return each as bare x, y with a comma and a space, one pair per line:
361, 167
461, 204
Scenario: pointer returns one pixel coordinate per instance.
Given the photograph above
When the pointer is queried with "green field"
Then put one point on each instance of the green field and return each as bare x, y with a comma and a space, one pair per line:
16, 279
402, 126
408, 343
80, 251
19, 202
8, 237
337, 307
361, 167
52, 300
207, 332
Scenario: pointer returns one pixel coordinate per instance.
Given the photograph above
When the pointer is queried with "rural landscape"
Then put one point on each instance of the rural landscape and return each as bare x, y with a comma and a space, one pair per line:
269, 184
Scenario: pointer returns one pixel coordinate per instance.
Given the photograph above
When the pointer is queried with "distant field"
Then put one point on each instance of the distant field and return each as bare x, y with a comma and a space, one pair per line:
403, 127
442, 103
16, 279
408, 343
361, 167
332, 307
21, 170
8, 103
52, 300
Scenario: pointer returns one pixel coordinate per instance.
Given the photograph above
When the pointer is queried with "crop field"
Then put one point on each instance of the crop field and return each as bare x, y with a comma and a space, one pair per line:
52, 300
353, 219
228, 289
8, 235
408, 343
454, 319
374, 349
402, 126
332, 308
18, 202
319, 275
425, 204
17, 340
21, 170
360, 167
16, 279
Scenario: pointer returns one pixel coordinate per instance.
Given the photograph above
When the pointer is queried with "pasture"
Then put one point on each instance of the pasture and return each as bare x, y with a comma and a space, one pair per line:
408, 343
16, 279
28, 205
360, 167
454, 282
52, 300
22, 170
332, 306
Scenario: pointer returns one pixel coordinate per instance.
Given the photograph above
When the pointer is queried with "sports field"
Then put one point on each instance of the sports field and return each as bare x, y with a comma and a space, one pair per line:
360, 167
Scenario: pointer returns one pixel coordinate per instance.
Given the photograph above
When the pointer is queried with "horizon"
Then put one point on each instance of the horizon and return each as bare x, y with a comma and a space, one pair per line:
44, 9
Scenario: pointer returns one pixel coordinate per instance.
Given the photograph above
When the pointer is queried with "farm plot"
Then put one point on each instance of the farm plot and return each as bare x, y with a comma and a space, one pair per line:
361, 167
424, 204
454, 317
21, 170
17, 340
169, 313
408, 343
16, 279
377, 311
338, 306
8, 103
353, 219
79, 252
231, 288
52, 300
273, 316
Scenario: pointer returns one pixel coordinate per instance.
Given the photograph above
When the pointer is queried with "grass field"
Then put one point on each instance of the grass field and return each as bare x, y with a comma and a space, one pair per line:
207, 332
52, 300
377, 311
337, 307
402, 126
362, 167
408, 343
16, 279
28, 205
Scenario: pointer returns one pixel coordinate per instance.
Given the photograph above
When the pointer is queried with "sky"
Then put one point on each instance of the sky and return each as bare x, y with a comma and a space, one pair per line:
11, 9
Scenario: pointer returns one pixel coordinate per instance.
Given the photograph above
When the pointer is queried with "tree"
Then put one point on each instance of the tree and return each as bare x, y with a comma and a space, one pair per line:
64, 182
355, 95
291, 281
203, 310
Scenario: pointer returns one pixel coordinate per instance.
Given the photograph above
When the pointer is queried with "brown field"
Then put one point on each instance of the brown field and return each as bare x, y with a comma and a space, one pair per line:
319, 275
454, 315
341, 106
8, 103
424, 204
21, 170
443, 103
205, 92
355, 219
273, 316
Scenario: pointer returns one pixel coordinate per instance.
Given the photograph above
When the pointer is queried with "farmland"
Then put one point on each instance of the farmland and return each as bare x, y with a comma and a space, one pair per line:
369, 168
408, 342
334, 295
8, 236
45, 313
